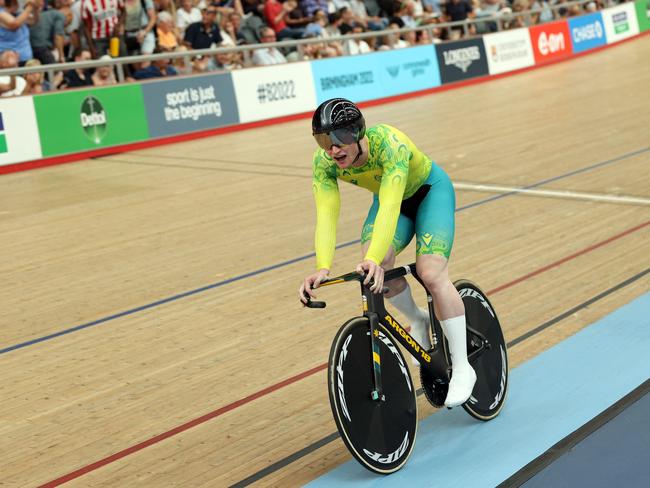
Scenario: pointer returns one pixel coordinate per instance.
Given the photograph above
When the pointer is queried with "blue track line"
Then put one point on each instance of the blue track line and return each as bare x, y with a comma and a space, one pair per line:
291, 261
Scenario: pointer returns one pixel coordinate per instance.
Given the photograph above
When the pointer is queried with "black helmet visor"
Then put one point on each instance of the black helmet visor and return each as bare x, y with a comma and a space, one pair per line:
337, 137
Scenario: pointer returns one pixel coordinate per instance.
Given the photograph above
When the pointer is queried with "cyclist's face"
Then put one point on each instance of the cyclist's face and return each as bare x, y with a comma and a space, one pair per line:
343, 156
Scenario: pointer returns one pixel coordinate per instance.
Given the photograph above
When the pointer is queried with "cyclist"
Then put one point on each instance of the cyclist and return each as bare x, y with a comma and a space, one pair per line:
412, 196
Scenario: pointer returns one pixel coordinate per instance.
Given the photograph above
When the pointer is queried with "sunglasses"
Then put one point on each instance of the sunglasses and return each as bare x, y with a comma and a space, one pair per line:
337, 137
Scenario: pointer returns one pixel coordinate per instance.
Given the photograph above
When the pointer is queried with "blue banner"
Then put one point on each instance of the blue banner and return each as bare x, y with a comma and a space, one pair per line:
587, 32
377, 75
181, 105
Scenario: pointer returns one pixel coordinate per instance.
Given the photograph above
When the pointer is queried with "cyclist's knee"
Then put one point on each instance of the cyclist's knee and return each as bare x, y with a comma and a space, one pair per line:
432, 270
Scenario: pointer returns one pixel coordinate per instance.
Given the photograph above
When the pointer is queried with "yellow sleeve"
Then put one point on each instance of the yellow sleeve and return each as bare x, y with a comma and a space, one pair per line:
328, 204
391, 194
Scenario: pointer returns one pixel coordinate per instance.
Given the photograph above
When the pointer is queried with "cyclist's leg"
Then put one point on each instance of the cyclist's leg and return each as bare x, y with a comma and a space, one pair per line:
399, 292
403, 235
434, 228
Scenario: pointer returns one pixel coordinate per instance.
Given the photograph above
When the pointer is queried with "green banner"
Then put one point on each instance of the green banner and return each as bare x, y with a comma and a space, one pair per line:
82, 120
643, 14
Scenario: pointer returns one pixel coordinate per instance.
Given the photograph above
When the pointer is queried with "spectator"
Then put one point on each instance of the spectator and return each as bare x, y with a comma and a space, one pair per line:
333, 25
310, 7
275, 14
204, 34
139, 24
297, 17
14, 30
71, 9
183, 65
78, 77
228, 31
253, 7
542, 11
318, 28
268, 55
188, 14
10, 86
47, 34
357, 46
227, 61
104, 75
488, 8
433, 7
455, 11
102, 20
347, 21
168, 35
35, 82
361, 15
393, 40
236, 34
159, 68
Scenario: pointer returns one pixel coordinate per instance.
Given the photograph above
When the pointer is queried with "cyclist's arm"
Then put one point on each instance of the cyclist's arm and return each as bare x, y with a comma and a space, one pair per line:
391, 193
328, 204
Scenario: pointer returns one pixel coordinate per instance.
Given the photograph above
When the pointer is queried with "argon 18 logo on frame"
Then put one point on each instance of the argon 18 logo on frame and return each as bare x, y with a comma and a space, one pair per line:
551, 41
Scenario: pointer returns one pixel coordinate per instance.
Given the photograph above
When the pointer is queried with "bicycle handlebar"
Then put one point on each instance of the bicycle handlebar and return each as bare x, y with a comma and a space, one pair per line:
354, 276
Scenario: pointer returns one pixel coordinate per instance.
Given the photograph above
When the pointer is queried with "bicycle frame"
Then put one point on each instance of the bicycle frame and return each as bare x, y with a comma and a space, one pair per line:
434, 360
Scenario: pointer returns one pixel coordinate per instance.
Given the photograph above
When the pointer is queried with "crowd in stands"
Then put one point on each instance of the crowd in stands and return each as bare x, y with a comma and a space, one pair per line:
39, 32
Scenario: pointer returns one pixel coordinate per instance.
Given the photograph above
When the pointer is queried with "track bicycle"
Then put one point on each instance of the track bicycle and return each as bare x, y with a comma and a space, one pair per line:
371, 391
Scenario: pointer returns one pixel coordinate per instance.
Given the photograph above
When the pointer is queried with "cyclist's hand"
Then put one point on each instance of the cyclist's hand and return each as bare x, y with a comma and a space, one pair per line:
375, 272
311, 282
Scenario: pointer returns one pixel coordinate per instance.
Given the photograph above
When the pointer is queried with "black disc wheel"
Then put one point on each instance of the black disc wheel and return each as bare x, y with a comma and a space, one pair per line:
487, 353
380, 433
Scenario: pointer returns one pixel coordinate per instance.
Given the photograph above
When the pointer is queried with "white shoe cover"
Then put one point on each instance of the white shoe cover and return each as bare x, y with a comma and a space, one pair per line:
461, 385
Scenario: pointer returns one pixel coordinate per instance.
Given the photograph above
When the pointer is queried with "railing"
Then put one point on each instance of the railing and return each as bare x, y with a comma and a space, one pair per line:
500, 19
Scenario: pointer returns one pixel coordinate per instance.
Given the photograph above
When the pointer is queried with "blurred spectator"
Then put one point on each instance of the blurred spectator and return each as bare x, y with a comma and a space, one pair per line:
520, 15
253, 7
316, 27
227, 61
333, 28
347, 21
47, 35
186, 15
10, 86
229, 32
158, 68
275, 14
297, 17
267, 55
35, 82
235, 33
139, 24
204, 34
541, 11
14, 30
357, 46
393, 40
488, 8
78, 77
182, 65
199, 64
167, 34
455, 11
104, 75
71, 9
102, 20
362, 16
310, 7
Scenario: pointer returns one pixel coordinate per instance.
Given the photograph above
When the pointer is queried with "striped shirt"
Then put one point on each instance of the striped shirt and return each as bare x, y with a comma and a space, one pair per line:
101, 16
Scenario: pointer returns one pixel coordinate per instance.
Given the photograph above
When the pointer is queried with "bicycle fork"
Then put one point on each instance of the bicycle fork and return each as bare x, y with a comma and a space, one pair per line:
377, 393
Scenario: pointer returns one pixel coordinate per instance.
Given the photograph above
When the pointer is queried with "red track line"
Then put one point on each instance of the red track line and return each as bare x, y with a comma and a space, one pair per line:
298, 377
567, 258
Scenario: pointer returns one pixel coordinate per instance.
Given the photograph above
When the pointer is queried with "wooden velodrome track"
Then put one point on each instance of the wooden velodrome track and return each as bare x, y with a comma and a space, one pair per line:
170, 276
